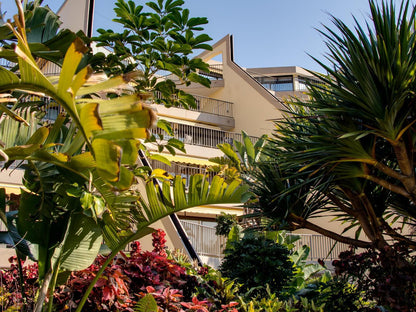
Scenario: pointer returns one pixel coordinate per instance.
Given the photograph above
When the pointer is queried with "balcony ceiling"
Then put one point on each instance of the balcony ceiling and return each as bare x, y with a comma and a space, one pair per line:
216, 85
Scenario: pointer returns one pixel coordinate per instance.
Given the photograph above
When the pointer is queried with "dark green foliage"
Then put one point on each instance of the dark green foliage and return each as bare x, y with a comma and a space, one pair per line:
350, 143
255, 262
224, 223
158, 39
337, 295
387, 277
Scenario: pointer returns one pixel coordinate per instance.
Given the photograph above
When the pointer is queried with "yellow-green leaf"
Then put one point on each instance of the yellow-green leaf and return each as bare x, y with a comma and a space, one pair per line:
122, 104
117, 122
39, 137
125, 180
130, 151
134, 133
72, 59
7, 78
108, 158
82, 161
160, 174
21, 152
90, 119
105, 85
161, 158
80, 78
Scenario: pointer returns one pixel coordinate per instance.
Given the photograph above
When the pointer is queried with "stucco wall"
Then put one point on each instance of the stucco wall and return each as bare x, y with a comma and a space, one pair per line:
254, 106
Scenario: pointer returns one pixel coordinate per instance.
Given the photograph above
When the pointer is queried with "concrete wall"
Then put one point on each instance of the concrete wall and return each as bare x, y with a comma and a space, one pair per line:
74, 15
254, 106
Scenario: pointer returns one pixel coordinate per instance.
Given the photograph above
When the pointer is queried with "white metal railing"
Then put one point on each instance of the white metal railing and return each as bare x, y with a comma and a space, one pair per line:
207, 243
321, 247
215, 72
209, 105
6, 63
184, 170
204, 240
201, 136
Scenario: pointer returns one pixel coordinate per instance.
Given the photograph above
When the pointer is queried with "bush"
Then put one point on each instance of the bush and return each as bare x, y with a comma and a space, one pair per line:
254, 262
14, 294
336, 295
124, 282
224, 223
271, 303
387, 277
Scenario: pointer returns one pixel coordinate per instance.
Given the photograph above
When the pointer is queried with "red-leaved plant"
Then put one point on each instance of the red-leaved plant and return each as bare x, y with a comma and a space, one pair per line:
388, 277
124, 282
18, 290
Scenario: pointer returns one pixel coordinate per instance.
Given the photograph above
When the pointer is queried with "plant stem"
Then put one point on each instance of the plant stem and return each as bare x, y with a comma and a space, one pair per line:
22, 284
94, 281
43, 291
52, 284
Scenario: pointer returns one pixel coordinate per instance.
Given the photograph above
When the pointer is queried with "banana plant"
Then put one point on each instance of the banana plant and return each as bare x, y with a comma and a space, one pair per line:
79, 177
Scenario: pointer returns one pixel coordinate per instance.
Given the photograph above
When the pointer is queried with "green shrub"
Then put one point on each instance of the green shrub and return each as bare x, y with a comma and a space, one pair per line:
224, 223
271, 303
337, 295
256, 261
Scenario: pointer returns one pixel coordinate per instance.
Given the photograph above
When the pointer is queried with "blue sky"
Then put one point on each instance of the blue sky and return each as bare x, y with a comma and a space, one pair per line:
266, 32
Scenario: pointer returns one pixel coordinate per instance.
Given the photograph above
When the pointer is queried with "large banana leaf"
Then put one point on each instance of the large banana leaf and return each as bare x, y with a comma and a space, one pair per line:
103, 126
172, 196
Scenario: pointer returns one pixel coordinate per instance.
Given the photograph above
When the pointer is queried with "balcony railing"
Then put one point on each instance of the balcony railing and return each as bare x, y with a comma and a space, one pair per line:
321, 247
204, 240
215, 72
6, 64
209, 105
207, 243
48, 106
201, 136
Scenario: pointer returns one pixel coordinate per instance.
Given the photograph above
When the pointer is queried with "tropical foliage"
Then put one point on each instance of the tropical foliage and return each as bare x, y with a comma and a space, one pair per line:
139, 278
257, 262
158, 39
80, 170
383, 277
240, 158
347, 151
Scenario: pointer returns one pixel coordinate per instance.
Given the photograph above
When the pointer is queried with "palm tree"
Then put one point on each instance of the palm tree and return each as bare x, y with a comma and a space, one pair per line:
353, 140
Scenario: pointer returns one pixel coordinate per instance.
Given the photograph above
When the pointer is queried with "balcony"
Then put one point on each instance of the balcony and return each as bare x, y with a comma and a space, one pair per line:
209, 111
215, 75
210, 247
182, 169
209, 105
200, 136
215, 72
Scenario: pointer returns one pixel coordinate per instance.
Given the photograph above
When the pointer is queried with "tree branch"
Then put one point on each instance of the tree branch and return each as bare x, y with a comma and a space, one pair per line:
380, 166
393, 234
394, 188
341, 205
303, 223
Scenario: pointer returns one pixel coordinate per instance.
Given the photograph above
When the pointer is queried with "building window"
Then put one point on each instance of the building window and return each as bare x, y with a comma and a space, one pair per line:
304, 82
281, 83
